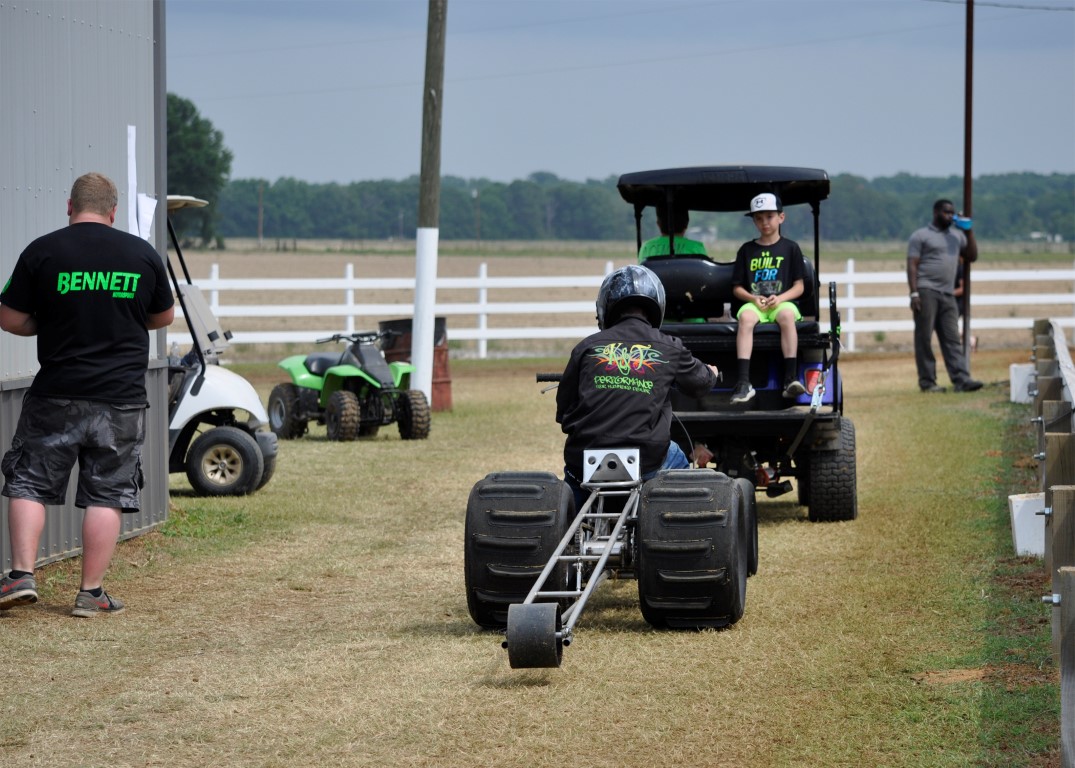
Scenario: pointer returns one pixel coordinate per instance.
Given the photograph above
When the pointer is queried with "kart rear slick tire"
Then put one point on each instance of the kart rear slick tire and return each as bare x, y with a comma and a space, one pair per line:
412, 416
224, 461
750, 520
342, 416
514, 522
693, 550
533, 635
283, 410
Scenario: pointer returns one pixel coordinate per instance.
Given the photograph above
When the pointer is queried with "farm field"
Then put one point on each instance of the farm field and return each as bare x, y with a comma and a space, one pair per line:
323, 620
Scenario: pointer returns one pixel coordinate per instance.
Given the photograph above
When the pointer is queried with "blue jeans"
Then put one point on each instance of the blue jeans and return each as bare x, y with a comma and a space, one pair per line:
673, 459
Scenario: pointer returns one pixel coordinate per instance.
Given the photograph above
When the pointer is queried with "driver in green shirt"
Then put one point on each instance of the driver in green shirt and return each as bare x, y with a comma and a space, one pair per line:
683, 246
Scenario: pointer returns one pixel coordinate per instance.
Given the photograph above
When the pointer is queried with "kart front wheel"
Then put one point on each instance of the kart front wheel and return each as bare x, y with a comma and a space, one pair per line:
342, 415
224, 461
284, 418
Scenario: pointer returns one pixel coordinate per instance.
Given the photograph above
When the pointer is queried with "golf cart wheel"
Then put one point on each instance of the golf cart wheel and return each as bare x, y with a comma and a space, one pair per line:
267, 472
833, 491
514, 522
802, 481
342, 416
224, 461
693, 550
534, 636
413, 416
750, 519
284, 418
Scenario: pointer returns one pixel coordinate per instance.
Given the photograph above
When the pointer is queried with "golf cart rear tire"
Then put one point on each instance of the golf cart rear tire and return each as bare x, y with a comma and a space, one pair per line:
693, 550
283, 409
224, 461
342, 416
514, 522
413, 416
833, 491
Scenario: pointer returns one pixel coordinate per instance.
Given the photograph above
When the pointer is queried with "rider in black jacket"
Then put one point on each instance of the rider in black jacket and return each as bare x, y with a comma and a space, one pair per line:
616, 388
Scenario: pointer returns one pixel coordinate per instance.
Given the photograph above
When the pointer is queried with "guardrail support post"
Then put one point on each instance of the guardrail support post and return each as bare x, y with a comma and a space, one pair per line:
1066, 610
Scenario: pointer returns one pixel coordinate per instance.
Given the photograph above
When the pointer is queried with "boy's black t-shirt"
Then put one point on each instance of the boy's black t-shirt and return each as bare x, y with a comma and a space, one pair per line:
767, 270
615, 391
91, 289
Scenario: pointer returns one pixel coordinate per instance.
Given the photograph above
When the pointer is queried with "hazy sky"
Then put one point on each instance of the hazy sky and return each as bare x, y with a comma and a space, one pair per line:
331, 90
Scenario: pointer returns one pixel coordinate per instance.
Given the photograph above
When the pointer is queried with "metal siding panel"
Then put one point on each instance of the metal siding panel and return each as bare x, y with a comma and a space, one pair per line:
76, 73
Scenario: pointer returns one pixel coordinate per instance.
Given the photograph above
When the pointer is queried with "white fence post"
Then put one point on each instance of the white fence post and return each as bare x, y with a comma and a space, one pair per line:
214, 295
349, 296
483, 318
849, 281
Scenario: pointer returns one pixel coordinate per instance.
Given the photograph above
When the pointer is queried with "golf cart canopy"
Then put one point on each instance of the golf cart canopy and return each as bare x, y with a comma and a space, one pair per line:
722, 187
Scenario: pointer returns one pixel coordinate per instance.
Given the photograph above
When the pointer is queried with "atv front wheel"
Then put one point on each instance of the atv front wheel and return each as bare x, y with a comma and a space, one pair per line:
342, 415
284, 419
224, 461
413, 415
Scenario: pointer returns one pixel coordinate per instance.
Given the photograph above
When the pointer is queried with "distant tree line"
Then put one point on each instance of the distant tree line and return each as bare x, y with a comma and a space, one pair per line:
1014, 206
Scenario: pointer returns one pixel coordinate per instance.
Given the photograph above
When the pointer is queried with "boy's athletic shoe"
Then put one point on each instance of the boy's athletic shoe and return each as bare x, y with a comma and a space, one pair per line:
793, 389
14, 592
743, 393
87, 606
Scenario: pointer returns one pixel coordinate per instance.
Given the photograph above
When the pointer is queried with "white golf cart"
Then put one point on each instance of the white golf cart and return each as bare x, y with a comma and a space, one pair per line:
218, 430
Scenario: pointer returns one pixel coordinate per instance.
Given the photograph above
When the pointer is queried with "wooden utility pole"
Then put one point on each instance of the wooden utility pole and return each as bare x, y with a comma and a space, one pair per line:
425, 293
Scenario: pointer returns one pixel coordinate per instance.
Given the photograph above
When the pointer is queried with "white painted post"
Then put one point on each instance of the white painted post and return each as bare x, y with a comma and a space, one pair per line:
425, 304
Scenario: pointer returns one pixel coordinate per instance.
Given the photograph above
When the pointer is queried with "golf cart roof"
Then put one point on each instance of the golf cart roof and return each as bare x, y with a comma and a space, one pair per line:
723, 187
178, 202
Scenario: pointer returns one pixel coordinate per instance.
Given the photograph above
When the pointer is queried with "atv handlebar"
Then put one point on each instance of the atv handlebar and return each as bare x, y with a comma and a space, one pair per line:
359, 336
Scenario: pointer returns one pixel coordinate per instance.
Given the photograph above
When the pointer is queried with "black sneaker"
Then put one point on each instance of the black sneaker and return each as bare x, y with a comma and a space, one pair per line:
87, 606
970, 385
933, 389
16, 592
793, 389
743, 393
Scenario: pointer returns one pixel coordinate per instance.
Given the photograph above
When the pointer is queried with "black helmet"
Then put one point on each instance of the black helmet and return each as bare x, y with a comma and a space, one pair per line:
633, 285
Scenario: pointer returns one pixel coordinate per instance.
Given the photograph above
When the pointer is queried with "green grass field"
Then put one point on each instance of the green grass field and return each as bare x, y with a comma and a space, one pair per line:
323, 621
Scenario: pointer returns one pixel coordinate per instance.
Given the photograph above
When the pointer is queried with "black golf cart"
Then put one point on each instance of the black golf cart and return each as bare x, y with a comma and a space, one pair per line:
770, 439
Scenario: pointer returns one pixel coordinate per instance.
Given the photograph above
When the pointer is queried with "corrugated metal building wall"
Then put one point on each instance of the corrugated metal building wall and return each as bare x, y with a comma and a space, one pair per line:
82, 88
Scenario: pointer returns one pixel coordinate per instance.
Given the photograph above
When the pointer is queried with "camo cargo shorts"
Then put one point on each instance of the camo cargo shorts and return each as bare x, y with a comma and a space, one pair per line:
105, 439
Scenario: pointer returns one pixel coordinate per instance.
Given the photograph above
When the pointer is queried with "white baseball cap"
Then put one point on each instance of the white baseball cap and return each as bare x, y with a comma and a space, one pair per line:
766, 201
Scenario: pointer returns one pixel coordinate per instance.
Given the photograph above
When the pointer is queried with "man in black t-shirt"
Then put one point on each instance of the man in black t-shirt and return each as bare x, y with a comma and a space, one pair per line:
89, 293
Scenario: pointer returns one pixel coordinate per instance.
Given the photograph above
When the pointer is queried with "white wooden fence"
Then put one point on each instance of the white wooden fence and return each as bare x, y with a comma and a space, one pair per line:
872, 303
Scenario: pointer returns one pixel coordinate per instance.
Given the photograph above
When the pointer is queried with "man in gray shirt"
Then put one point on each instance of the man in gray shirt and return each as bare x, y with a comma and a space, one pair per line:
933, 257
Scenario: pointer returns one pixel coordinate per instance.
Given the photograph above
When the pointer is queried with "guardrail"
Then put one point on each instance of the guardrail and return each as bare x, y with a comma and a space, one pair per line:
1051, 386
870, 302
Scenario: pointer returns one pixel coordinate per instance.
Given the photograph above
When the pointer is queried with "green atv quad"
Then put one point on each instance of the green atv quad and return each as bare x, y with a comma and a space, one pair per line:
353, 394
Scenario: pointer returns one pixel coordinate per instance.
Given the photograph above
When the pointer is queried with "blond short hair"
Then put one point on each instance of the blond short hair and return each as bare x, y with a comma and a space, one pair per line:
94, 193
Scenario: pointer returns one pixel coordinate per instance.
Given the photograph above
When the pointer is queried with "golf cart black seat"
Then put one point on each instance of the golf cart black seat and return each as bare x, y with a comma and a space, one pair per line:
696, 286
319, 362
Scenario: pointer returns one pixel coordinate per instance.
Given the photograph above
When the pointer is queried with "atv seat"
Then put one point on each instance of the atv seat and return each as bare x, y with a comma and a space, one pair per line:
319, 362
